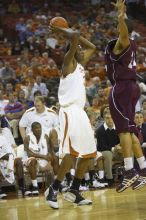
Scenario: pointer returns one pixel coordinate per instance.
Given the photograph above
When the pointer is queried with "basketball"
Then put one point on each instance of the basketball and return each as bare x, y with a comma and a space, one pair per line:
59, 22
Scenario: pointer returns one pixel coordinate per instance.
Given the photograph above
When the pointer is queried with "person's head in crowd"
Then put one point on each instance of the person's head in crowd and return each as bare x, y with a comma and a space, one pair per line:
103, 110
36, 129
12, 98
37, 93
108, 119
9, 88
139, 118
144, 104
39, 103
38, 80
100, 92
21, 95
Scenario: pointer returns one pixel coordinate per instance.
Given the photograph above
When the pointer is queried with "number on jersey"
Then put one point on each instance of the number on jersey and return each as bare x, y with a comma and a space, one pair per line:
132, 63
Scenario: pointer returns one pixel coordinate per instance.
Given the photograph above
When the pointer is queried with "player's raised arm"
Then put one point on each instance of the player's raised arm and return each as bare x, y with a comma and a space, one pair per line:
73, 37
123, 39
89, 49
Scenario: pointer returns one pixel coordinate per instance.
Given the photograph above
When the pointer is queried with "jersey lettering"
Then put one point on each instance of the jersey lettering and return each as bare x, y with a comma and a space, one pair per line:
133, 62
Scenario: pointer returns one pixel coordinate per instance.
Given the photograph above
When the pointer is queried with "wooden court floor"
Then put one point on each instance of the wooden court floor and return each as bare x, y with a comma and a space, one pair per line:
107, 205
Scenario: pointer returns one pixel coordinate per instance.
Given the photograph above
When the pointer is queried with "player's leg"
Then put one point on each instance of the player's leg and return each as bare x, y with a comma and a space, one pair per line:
137, 150
32, 169
130, 175
18, 164
51, 192
55, 164
73, 194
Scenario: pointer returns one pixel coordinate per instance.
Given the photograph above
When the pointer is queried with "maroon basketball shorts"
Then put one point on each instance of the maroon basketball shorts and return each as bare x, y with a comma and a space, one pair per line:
122, 101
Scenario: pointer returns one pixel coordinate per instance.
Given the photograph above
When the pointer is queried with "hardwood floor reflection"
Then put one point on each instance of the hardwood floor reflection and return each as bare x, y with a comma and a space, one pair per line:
107, 205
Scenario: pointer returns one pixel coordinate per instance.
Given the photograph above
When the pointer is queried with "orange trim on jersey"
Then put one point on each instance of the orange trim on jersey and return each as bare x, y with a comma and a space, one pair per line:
65, 129
30, 109
92, 155
72, 151
50, 110
76, 154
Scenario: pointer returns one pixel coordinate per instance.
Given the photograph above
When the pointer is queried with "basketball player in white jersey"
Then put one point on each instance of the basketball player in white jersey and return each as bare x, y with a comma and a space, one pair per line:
76, 135
40, 153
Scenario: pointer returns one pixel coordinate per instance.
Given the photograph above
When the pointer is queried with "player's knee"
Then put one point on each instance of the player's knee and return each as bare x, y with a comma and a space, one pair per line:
91, 164
67, 160
83, 163
18, 162
33, 162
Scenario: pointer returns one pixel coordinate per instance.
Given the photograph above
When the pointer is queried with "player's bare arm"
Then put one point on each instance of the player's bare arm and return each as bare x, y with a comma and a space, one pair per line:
26, 146
69, 63
32, 154
89, 49
52, 141
123, 39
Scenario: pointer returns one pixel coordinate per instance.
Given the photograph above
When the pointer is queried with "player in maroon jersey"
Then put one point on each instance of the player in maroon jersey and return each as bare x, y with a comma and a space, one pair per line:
120, 57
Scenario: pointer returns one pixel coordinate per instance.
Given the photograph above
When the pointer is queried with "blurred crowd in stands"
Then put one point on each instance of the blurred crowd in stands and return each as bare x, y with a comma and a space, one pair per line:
31, 56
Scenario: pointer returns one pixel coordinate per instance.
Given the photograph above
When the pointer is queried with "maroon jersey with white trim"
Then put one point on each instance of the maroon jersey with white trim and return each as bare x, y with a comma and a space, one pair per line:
122, 66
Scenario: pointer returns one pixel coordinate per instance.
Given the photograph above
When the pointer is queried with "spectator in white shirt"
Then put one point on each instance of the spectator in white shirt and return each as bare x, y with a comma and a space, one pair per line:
39, 113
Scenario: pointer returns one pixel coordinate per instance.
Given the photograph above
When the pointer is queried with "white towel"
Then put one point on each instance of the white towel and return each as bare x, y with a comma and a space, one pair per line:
6, 167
